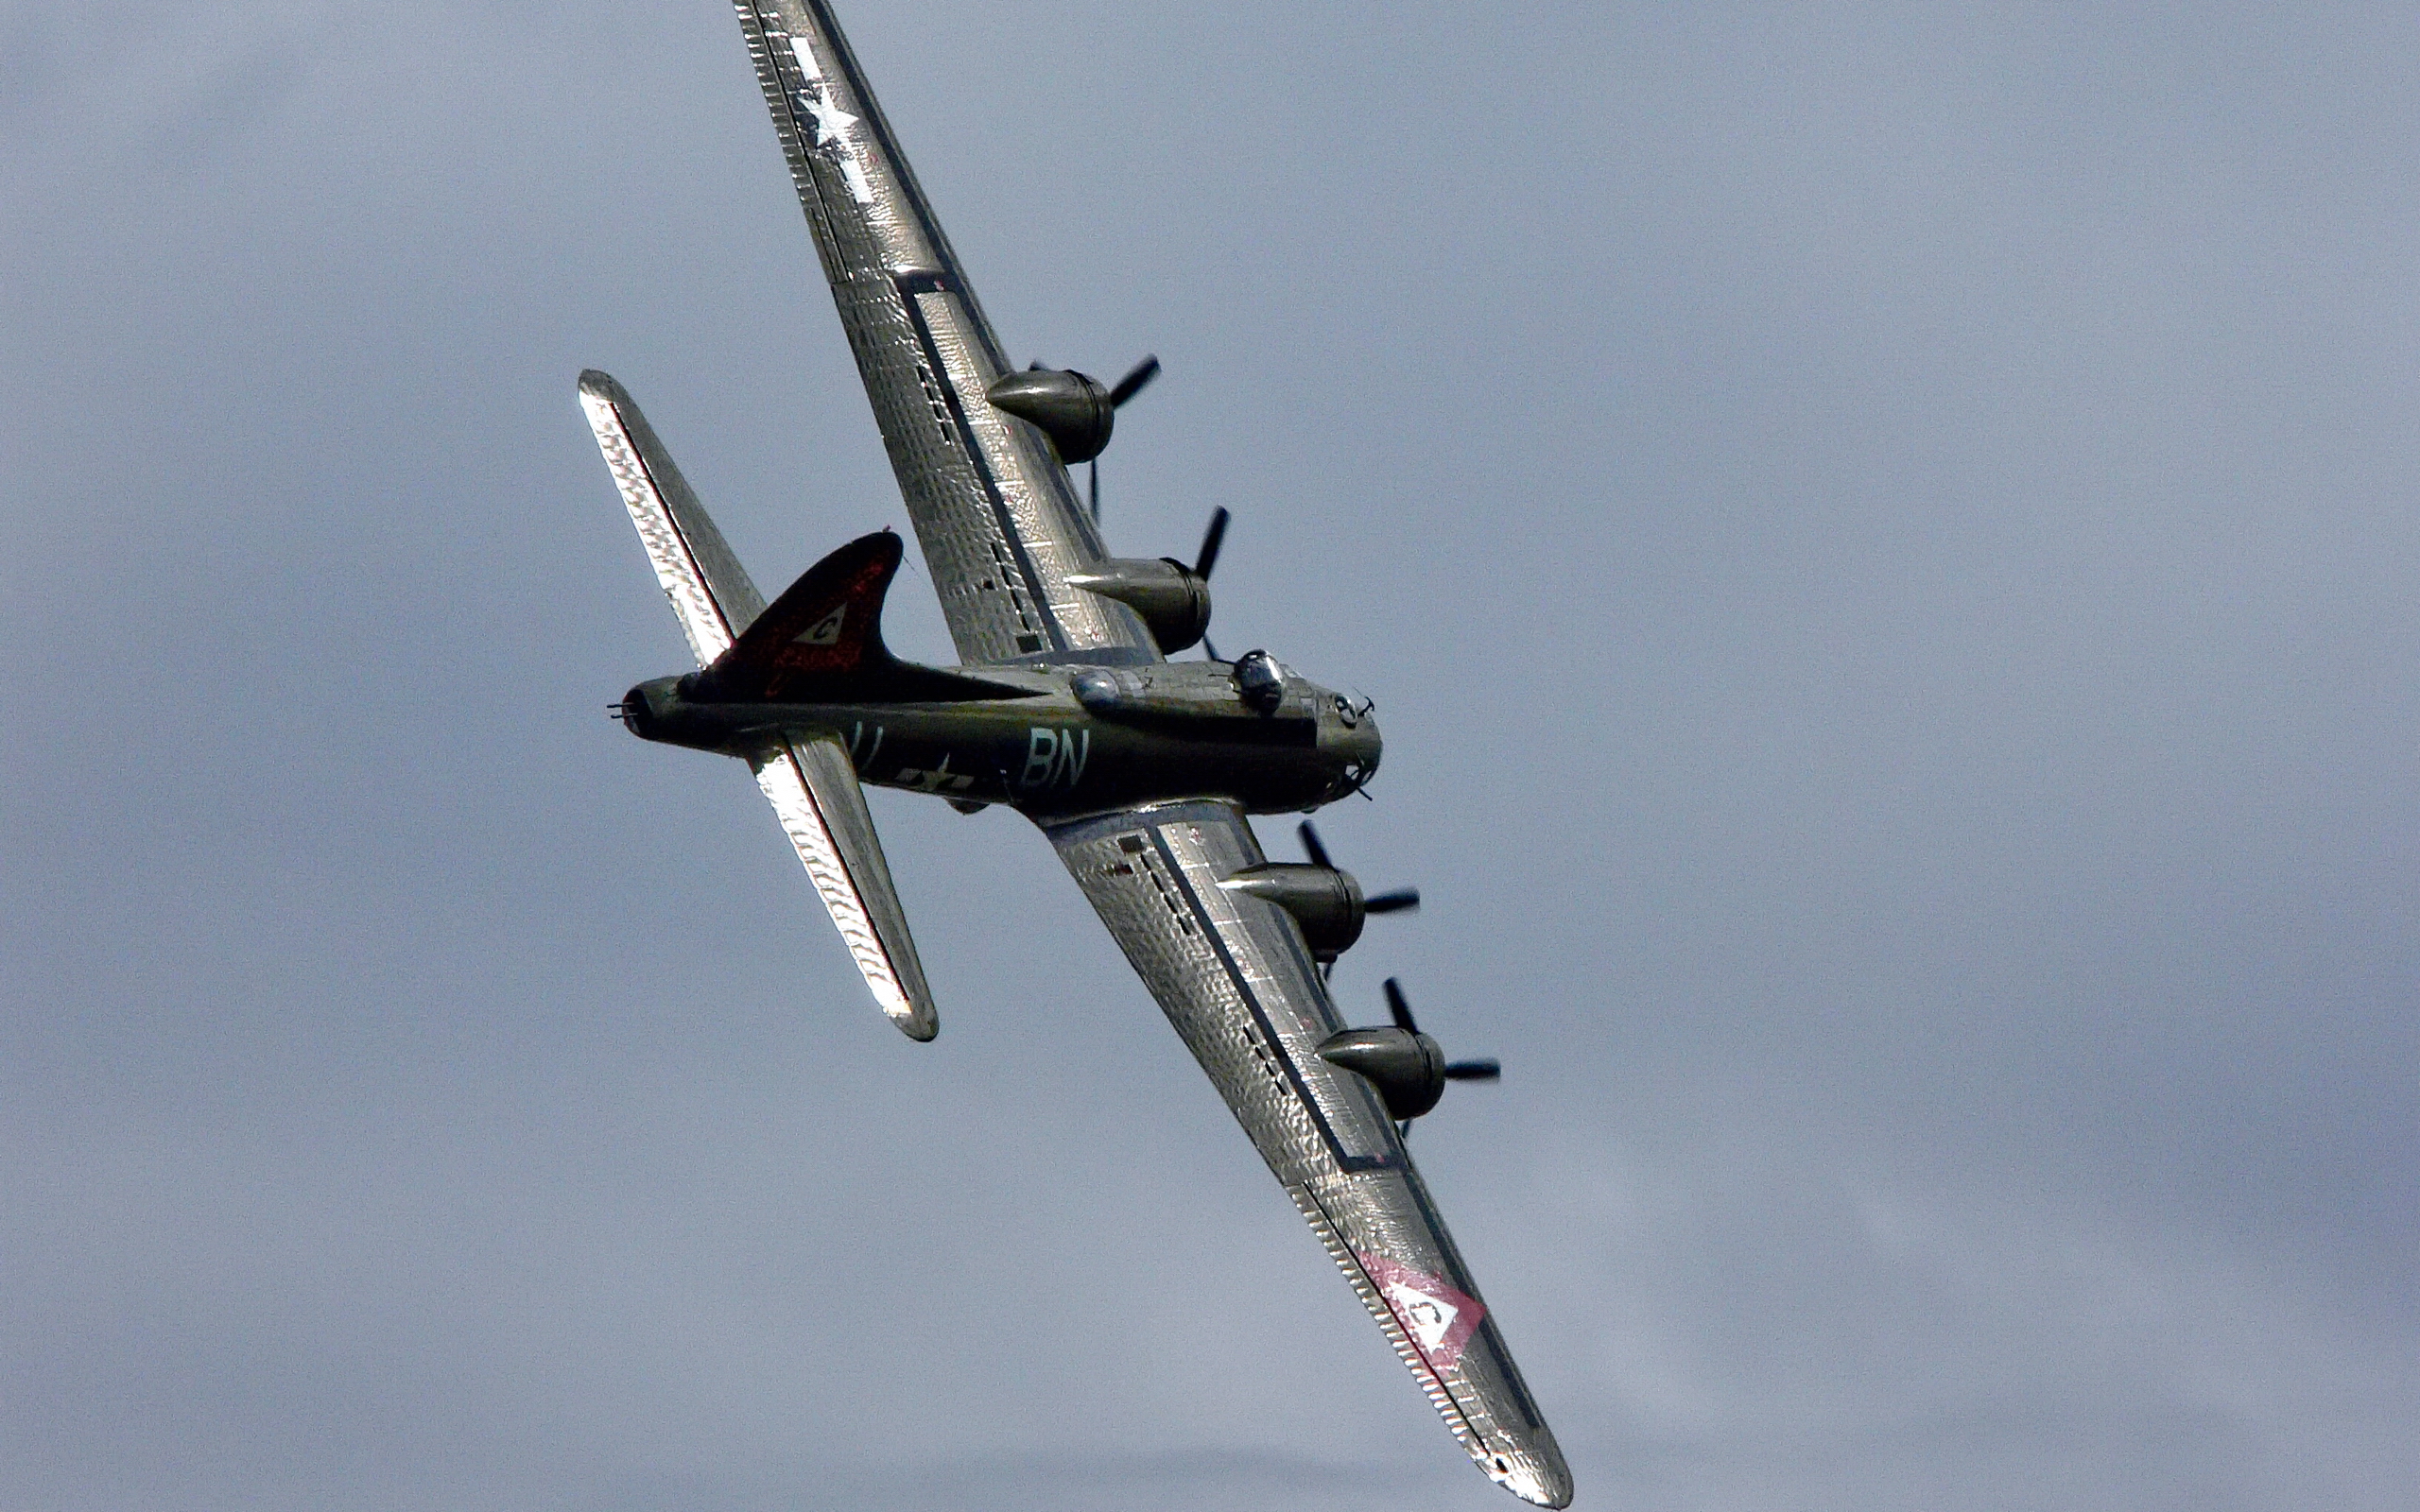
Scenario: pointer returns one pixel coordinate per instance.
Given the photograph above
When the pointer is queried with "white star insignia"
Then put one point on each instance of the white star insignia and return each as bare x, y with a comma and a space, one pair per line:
830, 122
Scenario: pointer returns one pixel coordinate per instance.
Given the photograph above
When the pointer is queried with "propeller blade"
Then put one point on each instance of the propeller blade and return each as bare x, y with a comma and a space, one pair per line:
1211, 541
1311, 845
1402, 899
1134, 382
1488, 1070
1095, 493
1209, 652
1399, 1007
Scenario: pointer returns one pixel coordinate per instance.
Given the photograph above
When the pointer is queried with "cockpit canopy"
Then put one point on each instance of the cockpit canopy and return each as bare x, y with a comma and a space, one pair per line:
1260, 682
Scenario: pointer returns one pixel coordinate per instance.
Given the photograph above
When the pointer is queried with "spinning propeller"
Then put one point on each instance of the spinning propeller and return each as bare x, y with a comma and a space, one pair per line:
1070, 407
1406, 1066
1487, 1068
1212, 538
1136, 379
1078, 415
1203, 559
1401, 901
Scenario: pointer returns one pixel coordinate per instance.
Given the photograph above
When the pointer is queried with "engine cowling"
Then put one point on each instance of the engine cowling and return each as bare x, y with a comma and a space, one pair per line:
1171, 599
1406, 1066
1070, 407
1325, 901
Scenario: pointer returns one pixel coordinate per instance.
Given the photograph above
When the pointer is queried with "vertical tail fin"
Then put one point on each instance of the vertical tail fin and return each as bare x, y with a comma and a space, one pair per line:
821, 641
825, 630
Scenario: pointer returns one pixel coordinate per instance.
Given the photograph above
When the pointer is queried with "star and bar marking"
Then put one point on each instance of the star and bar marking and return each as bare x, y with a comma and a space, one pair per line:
832, 123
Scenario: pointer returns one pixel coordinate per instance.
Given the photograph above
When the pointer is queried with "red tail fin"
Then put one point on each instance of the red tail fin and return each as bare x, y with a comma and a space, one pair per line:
822, 642
821, 637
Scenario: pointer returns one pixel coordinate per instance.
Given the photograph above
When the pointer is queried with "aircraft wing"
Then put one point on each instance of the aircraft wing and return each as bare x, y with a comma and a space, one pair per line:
1236, 980
992, 504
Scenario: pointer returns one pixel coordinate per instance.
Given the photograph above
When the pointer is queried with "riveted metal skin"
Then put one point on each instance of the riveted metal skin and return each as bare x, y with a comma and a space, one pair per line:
1140, 770
807, 779
993, 507
1041, 751
1240, 987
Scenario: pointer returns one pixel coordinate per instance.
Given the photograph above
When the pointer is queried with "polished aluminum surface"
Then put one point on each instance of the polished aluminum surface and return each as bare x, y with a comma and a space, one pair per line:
810, 782
712, 595
814, 791
1237, 979
992, 506
1002, 534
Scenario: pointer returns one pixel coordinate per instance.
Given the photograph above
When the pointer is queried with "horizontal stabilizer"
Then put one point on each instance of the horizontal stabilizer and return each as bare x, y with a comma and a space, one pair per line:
810, 782
815, 793
710, 591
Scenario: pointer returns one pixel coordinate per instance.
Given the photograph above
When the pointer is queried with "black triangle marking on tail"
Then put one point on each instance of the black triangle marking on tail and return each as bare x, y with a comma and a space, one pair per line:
822, 642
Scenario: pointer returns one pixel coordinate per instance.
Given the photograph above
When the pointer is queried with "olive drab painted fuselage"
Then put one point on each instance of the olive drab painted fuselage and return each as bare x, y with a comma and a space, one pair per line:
1060, 741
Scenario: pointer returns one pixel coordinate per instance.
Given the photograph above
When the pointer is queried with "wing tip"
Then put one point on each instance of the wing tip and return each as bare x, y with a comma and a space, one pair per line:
1540, 1490
1533, 1470
597, 383
1524, 1461
920, 1025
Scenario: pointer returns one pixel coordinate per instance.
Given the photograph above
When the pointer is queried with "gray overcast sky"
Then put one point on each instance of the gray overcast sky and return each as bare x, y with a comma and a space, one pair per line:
1883, 539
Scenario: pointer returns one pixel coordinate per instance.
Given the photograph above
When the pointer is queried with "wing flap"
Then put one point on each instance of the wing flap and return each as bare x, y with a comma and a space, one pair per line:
1237, 981
814, 792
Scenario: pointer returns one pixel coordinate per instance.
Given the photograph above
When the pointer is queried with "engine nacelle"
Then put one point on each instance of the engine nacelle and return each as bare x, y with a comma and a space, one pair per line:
1074, 410
1325, 901
1403, 1065
1172, 599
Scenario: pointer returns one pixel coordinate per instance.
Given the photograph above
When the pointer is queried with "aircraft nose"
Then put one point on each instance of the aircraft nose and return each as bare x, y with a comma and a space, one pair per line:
1350, 735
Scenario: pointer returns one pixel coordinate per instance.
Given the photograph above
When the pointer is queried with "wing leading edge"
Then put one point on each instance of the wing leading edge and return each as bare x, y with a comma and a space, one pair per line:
1235, 978
992, 506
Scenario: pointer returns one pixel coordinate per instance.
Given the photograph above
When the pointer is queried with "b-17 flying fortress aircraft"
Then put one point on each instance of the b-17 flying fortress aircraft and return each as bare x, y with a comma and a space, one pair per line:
1066, 709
